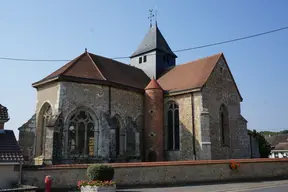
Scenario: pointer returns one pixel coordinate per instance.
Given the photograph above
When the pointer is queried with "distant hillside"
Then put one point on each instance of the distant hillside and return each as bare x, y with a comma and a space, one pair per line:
271, 133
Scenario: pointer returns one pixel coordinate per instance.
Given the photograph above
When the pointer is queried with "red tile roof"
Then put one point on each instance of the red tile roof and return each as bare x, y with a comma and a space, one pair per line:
100, 69
153, 85
190, 75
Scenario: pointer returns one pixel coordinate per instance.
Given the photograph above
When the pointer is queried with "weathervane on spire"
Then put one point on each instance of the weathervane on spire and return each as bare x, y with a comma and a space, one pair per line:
156, 17
151, 16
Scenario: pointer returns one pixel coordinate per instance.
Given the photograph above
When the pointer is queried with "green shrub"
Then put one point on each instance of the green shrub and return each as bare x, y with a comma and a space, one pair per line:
100, 172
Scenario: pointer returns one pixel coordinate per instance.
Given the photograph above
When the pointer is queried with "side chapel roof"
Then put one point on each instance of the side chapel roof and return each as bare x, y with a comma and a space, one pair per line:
98, 69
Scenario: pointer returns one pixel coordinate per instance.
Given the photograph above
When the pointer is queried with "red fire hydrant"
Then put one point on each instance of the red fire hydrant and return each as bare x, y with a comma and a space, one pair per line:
48, 183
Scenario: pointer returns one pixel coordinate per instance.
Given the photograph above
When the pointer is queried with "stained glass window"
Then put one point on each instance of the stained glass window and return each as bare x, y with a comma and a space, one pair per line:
81, 134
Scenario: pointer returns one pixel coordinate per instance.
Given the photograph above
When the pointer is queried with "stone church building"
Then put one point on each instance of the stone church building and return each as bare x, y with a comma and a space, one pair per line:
95, 109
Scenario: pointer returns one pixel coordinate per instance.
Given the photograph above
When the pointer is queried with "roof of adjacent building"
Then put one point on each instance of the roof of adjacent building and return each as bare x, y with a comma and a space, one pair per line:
9, 148
281, 146
3, 113
152, 41
273, 140
100, 69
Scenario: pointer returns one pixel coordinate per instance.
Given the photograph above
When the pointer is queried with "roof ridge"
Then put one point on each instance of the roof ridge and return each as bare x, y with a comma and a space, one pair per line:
96, 66
189, 62
73, 63
121, 63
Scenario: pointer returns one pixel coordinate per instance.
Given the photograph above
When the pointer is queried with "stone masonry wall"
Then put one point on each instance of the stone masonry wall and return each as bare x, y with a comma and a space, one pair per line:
128, 106
27, 139
48, 95
220, 89
163, 173
96, 98
186, 126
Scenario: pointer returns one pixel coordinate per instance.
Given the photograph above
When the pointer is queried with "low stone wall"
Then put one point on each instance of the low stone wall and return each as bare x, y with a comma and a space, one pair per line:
160, 173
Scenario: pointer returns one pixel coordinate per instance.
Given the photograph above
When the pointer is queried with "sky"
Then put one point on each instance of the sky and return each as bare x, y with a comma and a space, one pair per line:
61, 30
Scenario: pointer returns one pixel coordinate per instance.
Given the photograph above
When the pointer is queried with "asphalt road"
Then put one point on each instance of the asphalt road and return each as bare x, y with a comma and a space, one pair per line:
267, 186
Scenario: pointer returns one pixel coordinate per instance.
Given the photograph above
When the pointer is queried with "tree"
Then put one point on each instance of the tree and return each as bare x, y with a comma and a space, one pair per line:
264, 146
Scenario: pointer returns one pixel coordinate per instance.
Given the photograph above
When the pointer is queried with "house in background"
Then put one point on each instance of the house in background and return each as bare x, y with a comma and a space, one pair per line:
274, 140
10, 154
279, 145
280, 150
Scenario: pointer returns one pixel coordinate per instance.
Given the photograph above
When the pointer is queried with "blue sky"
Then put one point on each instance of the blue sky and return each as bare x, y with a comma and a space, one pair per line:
63, 29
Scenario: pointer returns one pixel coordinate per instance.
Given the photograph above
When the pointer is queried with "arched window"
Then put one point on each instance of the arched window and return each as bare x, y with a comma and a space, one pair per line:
224, 125
173, 140
117, 135
81, 134
45, 118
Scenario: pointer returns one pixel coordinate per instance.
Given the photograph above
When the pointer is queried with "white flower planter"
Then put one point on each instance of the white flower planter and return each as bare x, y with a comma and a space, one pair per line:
98, 189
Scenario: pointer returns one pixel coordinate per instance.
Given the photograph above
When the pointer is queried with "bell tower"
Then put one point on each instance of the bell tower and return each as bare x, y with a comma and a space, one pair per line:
153, 55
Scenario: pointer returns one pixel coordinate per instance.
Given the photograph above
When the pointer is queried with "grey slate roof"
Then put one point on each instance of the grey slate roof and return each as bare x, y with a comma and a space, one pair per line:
152, 41
3, 113
9, 148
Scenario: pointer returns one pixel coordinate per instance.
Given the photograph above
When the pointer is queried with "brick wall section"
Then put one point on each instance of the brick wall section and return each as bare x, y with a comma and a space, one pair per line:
161, 173
220, 89
154, 124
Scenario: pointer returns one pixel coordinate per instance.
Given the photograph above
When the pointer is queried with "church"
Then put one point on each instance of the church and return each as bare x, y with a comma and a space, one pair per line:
96, 109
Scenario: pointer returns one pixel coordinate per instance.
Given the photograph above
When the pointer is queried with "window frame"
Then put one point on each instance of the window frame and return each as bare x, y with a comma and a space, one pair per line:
224, 126
73, 126
174, 134
144, 58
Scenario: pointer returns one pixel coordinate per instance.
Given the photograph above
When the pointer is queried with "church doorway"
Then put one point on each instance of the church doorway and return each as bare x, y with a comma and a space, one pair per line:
152, 156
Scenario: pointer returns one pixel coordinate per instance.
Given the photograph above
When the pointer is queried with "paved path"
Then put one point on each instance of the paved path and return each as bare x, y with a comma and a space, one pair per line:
267, 186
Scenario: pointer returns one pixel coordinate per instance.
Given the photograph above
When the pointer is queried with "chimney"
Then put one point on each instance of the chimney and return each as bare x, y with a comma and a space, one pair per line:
4, 117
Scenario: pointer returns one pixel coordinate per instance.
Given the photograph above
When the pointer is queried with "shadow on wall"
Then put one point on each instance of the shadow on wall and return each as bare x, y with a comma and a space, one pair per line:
190, 148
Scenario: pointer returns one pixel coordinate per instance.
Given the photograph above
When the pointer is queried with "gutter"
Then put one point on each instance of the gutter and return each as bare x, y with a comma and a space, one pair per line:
184, 91
9, 163
193, 126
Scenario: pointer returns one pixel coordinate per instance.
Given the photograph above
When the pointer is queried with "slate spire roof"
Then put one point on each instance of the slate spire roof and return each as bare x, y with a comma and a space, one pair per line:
152, 41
